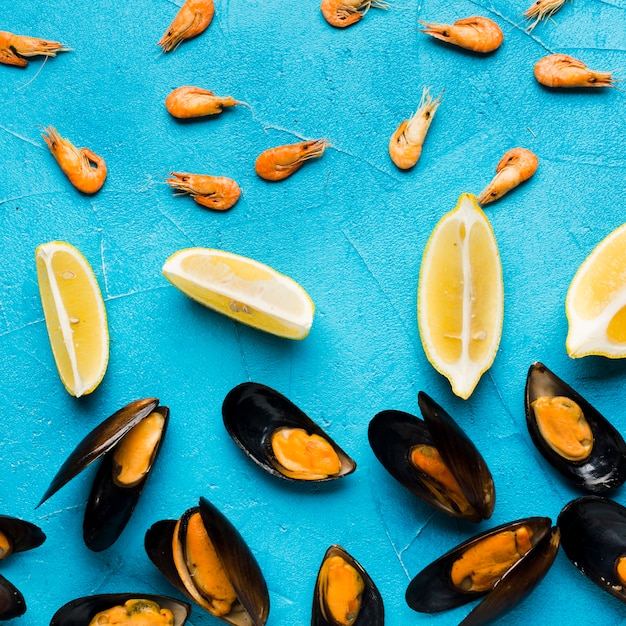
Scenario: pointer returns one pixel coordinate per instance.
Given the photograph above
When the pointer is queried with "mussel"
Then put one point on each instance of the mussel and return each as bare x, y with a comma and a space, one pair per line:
129, 440
281, 438
593, 536
344, 594
146, 608
501, 566
434, 459
571, 435
226, 580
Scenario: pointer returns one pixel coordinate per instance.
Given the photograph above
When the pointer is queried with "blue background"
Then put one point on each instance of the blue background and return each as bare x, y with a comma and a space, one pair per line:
349, 227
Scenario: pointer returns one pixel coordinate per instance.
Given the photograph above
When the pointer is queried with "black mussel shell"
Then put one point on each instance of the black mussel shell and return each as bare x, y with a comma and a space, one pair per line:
110, 505
233, 553
252, 412
593, 535
605, 467
22, 535
12, 602
392, 434
81, 611
371, 612
432, 589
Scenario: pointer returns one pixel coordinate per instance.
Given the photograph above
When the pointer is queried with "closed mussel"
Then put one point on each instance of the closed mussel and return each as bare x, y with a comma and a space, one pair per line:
501, 566
281, 438
203, 555
571, 434
344, 594
129, 441
434, 459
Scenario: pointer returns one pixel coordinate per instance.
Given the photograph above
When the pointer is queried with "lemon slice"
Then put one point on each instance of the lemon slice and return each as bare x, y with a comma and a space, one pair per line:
596, 301
243, 289
460, 299
75, 316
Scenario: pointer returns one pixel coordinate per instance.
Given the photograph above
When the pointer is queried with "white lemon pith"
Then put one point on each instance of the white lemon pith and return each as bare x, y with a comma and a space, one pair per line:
460, 300
243, 289
596, 301
75, 316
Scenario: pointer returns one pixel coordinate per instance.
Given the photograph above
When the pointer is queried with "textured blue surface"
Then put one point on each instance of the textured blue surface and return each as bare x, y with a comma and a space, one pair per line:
349, 227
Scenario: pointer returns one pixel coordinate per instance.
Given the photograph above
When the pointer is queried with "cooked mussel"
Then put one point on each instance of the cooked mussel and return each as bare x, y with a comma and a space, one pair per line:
434, 459
125, 609
593, 536
502, 566
344, 593
129, 440
203, 555
571, 434
281, 438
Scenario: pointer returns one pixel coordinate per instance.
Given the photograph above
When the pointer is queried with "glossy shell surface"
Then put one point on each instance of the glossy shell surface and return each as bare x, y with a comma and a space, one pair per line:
22, 535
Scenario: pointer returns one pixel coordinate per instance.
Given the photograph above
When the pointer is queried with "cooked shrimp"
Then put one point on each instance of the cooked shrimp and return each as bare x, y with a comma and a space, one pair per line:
280, 162
186, 102
342, 13
193, 18
478, 34
562, 70
14, 47
542, 9
214, 192
85, 169
516, 166
405, 145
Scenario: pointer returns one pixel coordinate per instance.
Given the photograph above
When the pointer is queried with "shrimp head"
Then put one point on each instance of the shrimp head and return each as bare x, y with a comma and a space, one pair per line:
186, 102
193, 18
343, 13
13, 48
280, 162
542, 9
214, 192
562, 70
478, 34
516, 166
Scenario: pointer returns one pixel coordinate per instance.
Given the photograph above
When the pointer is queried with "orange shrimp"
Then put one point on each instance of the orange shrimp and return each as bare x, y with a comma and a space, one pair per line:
85, 169
542, 9
516, 166
343, 13
478, 34
214, 192
280, 162
192, 19
562, 70
405, 145
186, 102
14, 47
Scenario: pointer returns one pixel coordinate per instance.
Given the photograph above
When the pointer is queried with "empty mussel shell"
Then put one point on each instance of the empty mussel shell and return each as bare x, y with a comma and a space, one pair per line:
344, 594
593, 536
275, 433
434, 459
571, 434
82, 611
235, 591
12, 602
520, 552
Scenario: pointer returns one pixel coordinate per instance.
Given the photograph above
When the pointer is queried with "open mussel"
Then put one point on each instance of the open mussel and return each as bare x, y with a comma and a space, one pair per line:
125, 609
281, 438
344, 593
434, 459
129, 441
203, 555
571, 434
593, 536
501, 566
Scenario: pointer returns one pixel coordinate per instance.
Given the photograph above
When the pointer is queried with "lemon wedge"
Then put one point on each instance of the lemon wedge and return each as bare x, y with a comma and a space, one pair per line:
596, 301
460, 299
75, 316
243, 289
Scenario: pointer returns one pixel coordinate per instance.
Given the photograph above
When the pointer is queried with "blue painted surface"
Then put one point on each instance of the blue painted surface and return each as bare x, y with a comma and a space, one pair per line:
349, 227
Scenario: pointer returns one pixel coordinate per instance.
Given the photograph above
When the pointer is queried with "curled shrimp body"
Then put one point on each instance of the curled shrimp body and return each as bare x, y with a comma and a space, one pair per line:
214, 192
516, 166
280, 162
405, 145
343, 13
562, 70
193, 18
85, 169
186, 102
478, 34
542, 9
13, 48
